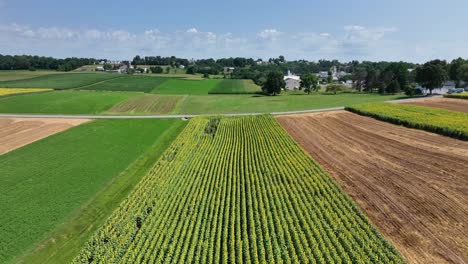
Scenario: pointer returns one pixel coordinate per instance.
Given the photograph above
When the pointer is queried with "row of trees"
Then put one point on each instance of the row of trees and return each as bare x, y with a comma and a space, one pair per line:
25, 62
383, 77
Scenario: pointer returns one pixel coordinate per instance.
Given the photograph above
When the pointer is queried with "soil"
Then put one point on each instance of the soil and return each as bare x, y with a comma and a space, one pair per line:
412, 184
18, 132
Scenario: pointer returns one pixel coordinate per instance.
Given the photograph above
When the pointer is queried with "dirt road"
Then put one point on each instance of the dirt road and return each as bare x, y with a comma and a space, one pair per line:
412, 184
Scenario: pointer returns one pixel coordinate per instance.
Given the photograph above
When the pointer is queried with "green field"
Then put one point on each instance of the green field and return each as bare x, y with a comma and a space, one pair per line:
59, 81
437, 120
225, 104
130, 83
183, 86
237, 190
47, 184
235, 86
147, 104
21, 74
63, 102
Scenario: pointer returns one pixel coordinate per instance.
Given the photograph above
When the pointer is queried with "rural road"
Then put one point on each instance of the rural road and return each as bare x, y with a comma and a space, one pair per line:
186, 116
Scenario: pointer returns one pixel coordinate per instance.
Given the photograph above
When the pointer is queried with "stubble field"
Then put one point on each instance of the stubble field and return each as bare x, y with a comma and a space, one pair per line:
411, 184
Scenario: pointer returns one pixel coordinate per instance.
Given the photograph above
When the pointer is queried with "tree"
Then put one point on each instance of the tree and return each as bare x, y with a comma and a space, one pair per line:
463, 73
431, 75
454, 71
168, 69
309, 82
334, 88
157, 69
273, 84
393, 87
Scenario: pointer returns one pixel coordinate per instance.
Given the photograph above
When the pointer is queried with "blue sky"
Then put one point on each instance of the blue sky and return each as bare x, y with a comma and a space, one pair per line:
411, 30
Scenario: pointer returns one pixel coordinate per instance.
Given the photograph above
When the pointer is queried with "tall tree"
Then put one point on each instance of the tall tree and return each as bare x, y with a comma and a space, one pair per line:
463, 72
274, 82
309, 82
431, 75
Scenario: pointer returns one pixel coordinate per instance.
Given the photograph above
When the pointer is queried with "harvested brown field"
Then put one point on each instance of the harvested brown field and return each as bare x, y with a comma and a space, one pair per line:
147, 104
412, 184
446, 103
17, 132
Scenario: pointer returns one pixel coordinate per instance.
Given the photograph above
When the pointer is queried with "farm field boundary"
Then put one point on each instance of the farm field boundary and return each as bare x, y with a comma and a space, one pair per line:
441, 121
66, 240
18, 132
458, 96
412, 184
444, 103
237, 190
62, 173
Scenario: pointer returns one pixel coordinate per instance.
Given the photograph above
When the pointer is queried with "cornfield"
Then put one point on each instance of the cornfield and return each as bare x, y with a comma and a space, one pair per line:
243, 193
437, 120
10, 91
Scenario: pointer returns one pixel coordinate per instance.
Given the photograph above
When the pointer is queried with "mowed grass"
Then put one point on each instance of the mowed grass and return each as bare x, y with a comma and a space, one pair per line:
226, 104
63, 102
44, 184
147, 104
235, 86
182, 86
60, 81
131, 83
21, 74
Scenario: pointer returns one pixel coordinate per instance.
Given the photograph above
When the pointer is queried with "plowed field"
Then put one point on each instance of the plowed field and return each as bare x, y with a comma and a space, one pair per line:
412, 184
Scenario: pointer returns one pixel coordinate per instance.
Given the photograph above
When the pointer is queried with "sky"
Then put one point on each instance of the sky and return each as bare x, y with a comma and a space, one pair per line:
375, 30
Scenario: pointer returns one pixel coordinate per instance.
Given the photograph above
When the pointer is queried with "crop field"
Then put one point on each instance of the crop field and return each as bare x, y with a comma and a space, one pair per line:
63, 102
458, 95
441, 121
11, 91
237, 190
412, 184
22, 74
46, 183
128, 83
226, 104
17, 132
234, 86
445, 103
147, 104
183, 86
59, 81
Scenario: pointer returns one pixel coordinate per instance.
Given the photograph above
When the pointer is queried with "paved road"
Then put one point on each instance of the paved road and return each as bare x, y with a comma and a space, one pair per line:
183, 116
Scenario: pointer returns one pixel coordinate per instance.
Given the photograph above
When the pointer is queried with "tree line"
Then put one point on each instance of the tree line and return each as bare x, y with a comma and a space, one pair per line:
26, 62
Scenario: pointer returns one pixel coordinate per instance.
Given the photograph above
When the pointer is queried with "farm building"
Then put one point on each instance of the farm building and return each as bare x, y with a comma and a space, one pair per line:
292, 81
228, 70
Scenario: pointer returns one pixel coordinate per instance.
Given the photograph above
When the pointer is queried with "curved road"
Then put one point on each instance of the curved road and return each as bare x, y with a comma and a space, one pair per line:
185, 116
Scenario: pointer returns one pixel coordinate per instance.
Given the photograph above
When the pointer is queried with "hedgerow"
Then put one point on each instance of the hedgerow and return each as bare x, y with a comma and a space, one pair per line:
457, 95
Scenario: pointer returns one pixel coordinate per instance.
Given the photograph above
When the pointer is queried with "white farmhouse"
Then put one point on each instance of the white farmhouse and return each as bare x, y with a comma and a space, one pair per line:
292, 81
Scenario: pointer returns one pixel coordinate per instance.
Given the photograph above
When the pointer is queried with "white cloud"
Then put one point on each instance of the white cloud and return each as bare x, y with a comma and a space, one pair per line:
269, 34
360, 33
353, 42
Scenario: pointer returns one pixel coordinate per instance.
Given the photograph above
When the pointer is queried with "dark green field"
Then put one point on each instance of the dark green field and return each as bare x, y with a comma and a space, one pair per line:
183, 86
60, 81
128, 83
235, 86
63, 102
72, 181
